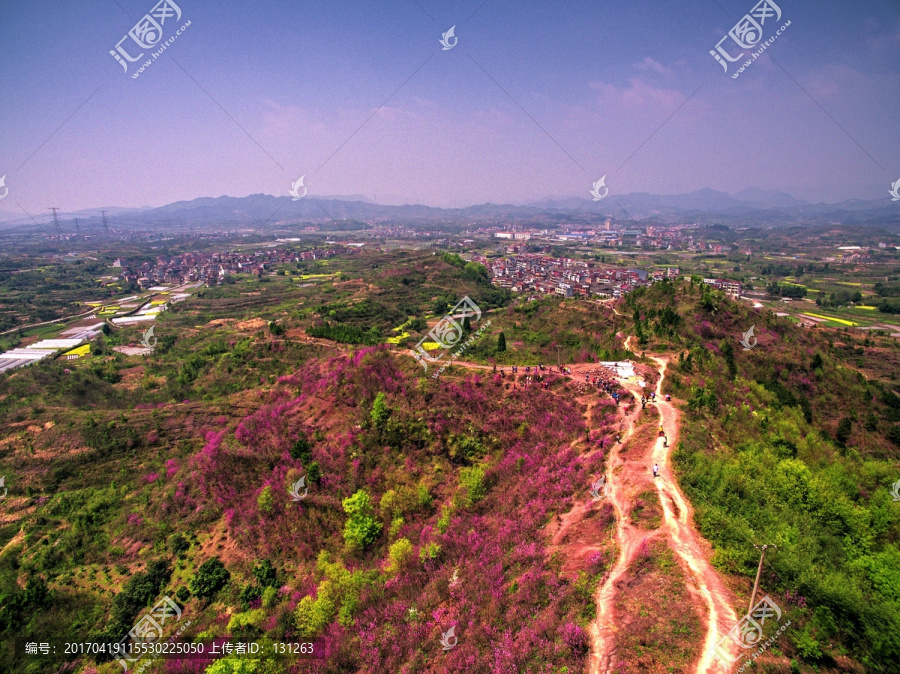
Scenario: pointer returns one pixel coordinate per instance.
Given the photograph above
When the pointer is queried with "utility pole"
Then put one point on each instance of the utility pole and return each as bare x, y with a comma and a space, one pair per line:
758, 574
105, 224
55, 217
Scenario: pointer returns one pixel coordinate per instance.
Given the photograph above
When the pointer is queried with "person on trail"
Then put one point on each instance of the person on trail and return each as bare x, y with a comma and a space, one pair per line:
655, 470
668, 397
619, 438
665, 441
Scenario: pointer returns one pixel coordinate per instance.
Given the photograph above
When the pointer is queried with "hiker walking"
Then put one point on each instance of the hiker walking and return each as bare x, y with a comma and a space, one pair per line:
655, 470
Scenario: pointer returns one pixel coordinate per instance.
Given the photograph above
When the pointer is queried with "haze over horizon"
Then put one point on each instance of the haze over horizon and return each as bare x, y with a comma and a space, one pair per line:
532, 103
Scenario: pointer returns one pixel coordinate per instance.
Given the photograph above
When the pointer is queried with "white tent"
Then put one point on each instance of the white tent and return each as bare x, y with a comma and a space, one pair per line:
624, 369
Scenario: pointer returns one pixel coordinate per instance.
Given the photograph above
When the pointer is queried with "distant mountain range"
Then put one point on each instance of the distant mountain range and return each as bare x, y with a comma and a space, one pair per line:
752, 206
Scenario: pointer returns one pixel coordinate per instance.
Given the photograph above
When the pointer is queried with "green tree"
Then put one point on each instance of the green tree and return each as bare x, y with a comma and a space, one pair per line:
728, 354
265, 501
265, 574
398, 554
380, 411
501, 343
209, 579
472, 480
300, 451
361, 528
845, 427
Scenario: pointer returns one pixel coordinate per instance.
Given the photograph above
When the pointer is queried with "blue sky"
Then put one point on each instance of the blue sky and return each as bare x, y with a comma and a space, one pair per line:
535, 100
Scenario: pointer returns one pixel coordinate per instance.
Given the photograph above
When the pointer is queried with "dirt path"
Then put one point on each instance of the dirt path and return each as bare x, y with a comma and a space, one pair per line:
618, 474
628, 473
692, 551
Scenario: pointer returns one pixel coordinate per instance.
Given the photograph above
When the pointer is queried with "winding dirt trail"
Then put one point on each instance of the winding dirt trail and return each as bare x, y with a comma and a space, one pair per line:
628, 538
692, 550
628, 473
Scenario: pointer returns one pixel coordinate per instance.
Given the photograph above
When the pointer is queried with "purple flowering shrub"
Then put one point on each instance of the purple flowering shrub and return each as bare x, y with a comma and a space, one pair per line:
467, 472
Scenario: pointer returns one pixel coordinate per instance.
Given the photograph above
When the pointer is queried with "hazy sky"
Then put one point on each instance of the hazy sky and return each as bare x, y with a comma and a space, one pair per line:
536, 99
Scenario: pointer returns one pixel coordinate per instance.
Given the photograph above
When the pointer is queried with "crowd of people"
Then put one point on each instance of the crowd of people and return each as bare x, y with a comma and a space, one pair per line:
601, 377
604, 378
533, 375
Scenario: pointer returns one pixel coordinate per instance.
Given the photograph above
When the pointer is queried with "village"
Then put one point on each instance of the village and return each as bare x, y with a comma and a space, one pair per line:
210, 268
546, 275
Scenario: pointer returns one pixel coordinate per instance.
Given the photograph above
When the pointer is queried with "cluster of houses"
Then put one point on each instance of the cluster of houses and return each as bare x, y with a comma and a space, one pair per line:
530, 272
733, 288
212, 268
533, 272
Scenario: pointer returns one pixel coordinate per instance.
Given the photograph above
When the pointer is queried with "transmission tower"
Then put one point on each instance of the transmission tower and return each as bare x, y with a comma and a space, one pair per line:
77, 227
105, 224
55, 217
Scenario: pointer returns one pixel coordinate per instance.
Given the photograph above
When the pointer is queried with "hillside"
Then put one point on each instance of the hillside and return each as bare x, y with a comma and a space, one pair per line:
793, 442
281, 477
